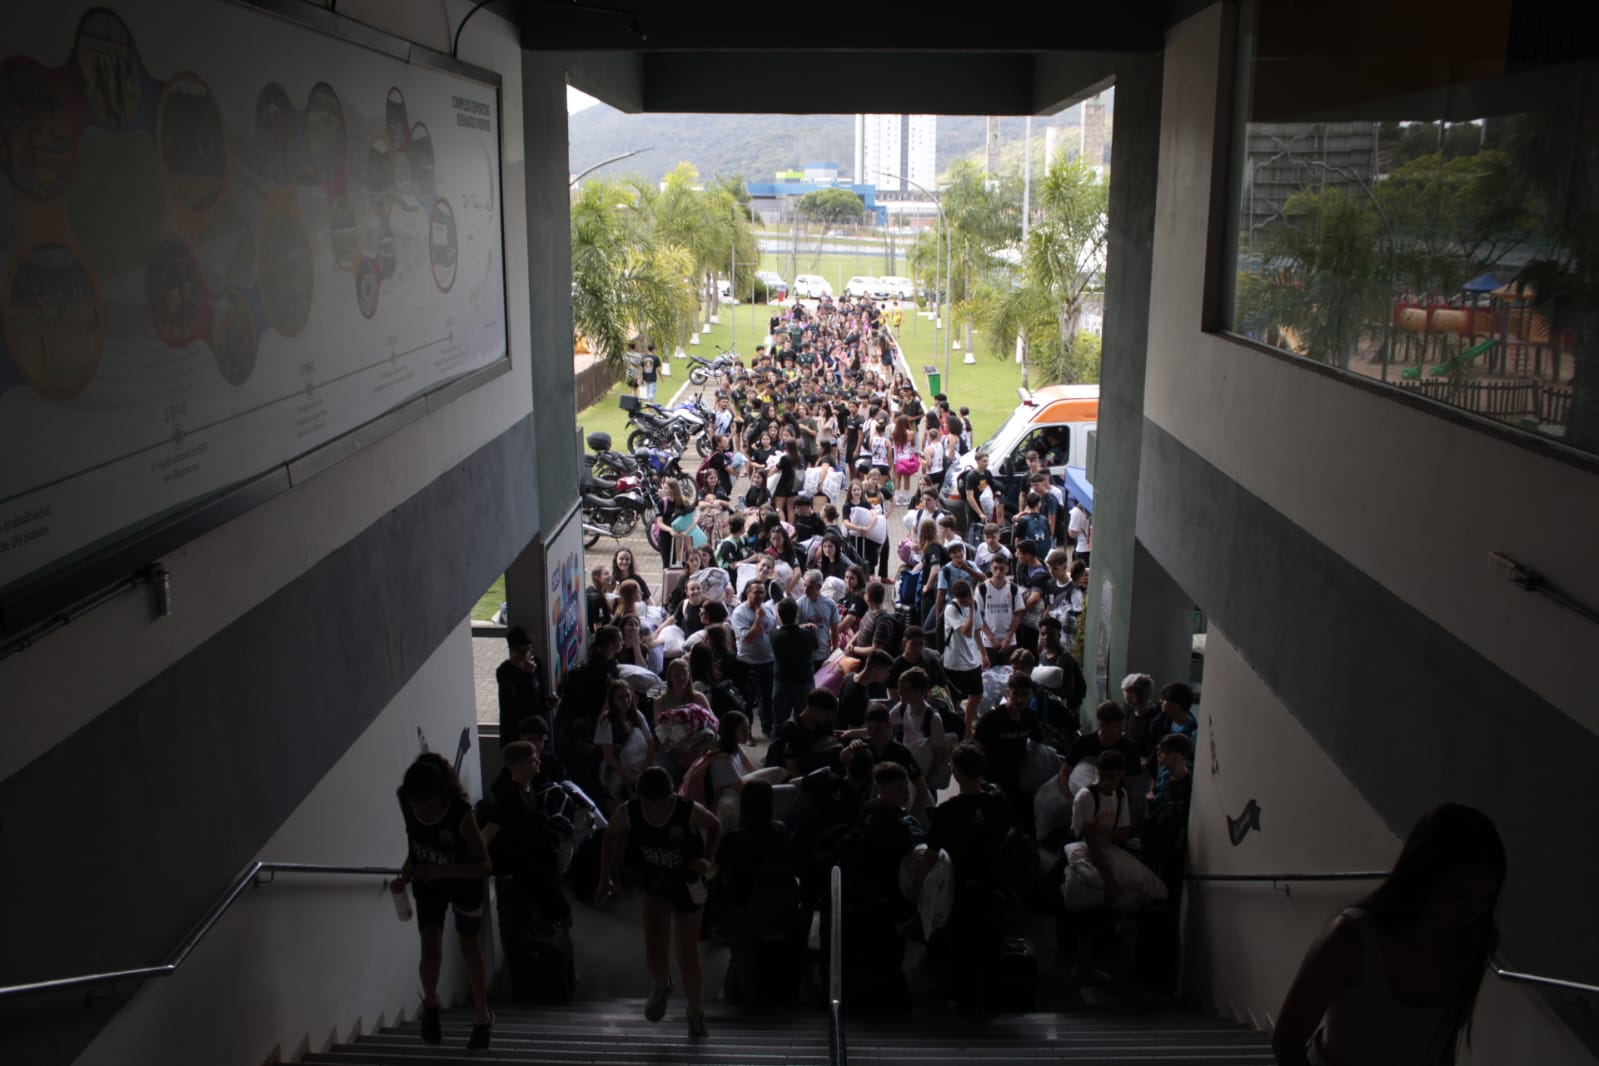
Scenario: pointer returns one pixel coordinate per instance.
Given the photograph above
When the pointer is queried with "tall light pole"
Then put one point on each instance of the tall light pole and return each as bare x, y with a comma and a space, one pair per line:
606, 163
949, 245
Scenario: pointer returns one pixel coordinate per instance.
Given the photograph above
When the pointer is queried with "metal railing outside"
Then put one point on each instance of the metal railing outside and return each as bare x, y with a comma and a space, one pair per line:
835, 974
1512, 976
252, 875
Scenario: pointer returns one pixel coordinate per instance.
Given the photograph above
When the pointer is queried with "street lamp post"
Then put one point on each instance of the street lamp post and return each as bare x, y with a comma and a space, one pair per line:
1388, 232
949, 245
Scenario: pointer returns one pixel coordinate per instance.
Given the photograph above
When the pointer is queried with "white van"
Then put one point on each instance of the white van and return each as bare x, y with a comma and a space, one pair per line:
1054, 421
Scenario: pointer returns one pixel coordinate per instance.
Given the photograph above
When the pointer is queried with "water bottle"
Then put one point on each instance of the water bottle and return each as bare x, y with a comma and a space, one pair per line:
401, 898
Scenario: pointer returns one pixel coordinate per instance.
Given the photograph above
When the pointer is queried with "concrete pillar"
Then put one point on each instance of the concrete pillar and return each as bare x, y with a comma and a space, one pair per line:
536, 586
1135, 153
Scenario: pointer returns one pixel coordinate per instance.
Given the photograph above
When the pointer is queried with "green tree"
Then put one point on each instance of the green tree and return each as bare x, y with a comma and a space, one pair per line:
1060, 263
1325, 280
624, 280
708, 223
1453, 218
832, 207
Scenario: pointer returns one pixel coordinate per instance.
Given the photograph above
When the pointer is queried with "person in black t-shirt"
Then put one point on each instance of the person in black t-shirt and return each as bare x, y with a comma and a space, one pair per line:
877, 738
807, 738
915, 653
855, 695
1003, 734
807, 523
520, 682
445, 865
970, 826
1111, 736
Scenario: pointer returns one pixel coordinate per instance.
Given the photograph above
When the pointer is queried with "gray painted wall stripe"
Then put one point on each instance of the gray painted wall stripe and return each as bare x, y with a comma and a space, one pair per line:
136, 821
1410, 714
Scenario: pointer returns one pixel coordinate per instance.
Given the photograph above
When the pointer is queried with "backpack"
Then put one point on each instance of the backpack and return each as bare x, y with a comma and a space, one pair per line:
1033, 527
888, 633
954, 724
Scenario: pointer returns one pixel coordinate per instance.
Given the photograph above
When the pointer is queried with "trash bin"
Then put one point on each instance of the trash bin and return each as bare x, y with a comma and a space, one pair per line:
935, 381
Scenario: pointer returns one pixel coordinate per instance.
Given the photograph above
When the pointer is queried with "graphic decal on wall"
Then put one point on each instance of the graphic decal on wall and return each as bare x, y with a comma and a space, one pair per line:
225, 239
1249, 819
1238, 828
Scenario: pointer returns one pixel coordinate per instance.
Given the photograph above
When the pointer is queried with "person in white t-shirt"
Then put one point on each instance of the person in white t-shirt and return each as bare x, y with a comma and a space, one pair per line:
920, 728
1002, 608
991, 548
963, 659
1080, 526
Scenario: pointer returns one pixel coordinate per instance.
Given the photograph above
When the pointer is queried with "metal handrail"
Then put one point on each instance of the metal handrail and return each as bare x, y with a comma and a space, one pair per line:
1513, 976
251, 875
835, 974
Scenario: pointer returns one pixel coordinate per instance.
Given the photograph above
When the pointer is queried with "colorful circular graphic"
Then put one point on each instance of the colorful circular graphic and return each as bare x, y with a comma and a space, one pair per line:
368, 286
175, 294
443, 246
108, 62
420, 155
39, 128
324, 132
227, 251
233, 337
193, 148
54, 326
286, 275
345, 235
276, 129
396, 124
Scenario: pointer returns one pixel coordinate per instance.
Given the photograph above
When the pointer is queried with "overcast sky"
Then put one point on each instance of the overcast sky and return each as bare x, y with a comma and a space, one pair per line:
577, 100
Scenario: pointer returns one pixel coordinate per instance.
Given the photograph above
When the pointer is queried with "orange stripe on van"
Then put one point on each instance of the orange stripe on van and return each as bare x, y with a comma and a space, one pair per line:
1059, 411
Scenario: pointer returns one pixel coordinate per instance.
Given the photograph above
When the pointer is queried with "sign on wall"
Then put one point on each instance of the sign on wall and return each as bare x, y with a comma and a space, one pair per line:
563, 561
225, 239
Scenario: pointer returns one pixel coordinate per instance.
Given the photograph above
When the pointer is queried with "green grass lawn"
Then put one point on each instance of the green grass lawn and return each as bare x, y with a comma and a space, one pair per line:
490, 601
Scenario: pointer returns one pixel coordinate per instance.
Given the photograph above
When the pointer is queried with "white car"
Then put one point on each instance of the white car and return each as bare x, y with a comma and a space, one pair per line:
724, 291
862, 285
899, 288
811, 287
775, 285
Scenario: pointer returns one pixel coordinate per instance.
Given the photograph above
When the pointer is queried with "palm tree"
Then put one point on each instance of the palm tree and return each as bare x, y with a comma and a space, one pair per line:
625, 280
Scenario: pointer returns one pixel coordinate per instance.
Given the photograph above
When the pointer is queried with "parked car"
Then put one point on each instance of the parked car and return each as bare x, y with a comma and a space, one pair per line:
862, 285
776, 287
899, 288
811, 286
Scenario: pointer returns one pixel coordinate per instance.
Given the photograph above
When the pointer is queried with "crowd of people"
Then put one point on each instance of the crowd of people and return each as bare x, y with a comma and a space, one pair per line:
807, 690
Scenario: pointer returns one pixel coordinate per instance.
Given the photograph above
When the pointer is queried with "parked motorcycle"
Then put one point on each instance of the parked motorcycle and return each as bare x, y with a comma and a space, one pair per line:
613, 508
704, 368
605, 463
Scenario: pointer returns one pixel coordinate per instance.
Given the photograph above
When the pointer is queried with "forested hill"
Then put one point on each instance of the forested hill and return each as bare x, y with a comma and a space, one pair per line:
757, 146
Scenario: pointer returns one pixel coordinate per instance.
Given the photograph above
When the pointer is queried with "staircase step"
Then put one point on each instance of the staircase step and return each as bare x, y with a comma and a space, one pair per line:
615, 1033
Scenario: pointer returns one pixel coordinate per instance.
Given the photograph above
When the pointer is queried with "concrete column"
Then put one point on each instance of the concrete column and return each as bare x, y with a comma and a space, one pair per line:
552, 470
1135, 153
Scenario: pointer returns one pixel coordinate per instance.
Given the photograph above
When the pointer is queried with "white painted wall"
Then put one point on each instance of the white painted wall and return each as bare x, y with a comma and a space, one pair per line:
1414, 500
304, 961
217, 578
1243, 942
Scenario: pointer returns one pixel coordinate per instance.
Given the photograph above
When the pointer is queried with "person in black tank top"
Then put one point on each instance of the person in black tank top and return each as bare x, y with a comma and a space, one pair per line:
446, 863
669, 844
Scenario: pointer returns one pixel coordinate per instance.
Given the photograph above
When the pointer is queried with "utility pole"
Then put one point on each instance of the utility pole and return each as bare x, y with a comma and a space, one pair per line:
1027, 212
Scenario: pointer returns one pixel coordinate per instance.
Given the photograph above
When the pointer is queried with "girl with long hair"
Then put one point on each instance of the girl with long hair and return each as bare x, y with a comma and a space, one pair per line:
622, 569
623, 737
906, 462
1394, 979
669, 844
446, 865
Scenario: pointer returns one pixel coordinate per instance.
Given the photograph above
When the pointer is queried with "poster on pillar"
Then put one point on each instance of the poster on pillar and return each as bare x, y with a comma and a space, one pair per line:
1106, 605
565, 624
226, 238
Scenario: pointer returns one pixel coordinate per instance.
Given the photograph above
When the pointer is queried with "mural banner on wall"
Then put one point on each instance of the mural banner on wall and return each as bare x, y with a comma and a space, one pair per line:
565, 625
225, 239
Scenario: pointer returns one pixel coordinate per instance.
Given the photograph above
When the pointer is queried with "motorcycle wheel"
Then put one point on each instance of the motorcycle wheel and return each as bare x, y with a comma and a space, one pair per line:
690, 491
702, 446
623, 524
698, 375
590, 539
636, 438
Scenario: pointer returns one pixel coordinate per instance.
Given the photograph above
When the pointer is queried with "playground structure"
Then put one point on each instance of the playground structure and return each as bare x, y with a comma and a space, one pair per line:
1514, 338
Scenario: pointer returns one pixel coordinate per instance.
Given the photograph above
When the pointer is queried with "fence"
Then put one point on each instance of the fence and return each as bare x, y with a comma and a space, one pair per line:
1556, 403
1496, 399
592, 383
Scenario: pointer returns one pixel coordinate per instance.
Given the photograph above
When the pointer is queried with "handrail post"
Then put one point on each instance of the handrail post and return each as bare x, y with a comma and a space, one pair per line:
835, 971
